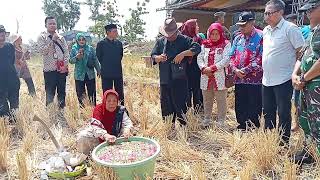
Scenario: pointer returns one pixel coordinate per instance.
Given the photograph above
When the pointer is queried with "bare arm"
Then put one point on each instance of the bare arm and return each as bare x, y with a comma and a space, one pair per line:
313, 72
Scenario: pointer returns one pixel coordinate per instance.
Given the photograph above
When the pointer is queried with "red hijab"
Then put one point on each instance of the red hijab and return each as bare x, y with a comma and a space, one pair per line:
101, 114
208, 43
189, 28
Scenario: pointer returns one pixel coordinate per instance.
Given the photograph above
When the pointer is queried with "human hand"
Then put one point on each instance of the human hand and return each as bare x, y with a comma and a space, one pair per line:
178, 58
161, 58
240, 73
55, 36
127, 133
79, 56
110, 138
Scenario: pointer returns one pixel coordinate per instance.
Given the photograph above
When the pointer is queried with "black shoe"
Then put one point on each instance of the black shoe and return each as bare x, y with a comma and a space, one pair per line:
303, 157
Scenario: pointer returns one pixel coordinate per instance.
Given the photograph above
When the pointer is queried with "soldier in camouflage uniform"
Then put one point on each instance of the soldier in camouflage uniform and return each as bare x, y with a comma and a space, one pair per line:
309, 80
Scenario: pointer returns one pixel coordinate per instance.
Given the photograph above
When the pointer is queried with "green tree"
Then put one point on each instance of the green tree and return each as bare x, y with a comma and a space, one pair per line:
95, 7
109, 15
66, 12
134, 27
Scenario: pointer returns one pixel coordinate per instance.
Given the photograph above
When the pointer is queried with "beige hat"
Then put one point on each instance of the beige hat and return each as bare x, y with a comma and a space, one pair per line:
170, 27
14, 37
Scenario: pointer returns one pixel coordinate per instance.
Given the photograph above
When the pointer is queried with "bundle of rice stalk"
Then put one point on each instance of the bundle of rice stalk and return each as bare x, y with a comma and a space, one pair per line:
198, 171
29, 140
175, 151
193, 120
104, 172
247, 173
170, 170
265, 149
290, 170
23, 171
182, 135
240, 144
23, 117
160, 129
4, 144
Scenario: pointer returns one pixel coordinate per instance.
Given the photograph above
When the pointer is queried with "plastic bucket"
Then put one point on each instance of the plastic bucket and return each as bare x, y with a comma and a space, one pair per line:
142, 169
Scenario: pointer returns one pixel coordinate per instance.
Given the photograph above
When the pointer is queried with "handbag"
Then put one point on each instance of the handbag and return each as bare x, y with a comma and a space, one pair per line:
229, 79
178, 71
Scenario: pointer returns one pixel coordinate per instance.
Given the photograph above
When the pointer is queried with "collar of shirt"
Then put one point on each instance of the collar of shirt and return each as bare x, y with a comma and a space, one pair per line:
279, 25
253, 32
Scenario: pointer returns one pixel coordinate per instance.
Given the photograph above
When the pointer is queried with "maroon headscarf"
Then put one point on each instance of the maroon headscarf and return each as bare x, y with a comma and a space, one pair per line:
189, 29
221, 42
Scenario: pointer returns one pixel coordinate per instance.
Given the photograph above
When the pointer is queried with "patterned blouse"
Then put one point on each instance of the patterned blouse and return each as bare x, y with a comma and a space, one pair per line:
246, 55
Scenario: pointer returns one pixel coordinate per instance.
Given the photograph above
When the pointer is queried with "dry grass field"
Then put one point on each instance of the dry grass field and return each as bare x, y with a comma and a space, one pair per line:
189, 153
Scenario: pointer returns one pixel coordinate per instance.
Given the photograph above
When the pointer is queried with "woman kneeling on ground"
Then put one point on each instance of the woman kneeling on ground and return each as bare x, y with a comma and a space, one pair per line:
109, 121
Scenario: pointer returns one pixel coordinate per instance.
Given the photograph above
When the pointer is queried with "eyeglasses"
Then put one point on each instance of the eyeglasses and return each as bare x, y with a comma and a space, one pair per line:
270, 13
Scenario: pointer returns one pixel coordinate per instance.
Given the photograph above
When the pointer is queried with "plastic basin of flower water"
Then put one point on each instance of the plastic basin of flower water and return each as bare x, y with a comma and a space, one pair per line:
142, 169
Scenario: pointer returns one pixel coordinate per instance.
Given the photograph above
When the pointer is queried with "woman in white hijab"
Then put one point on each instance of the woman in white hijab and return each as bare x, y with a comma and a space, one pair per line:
21, 64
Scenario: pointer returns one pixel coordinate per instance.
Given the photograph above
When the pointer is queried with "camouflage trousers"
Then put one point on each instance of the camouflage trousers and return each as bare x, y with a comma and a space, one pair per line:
309, 114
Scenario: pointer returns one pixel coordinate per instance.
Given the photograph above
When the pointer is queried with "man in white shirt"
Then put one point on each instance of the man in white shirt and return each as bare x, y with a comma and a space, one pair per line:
282, 42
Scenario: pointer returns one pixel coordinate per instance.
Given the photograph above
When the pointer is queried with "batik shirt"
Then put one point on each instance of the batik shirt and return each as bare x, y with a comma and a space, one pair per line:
246, 55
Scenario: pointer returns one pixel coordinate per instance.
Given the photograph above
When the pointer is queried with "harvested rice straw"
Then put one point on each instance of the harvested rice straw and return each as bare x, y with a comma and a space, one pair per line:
104, 173
29, 140
169, 171
247, 173
198, 171
160, 129
193, 124
4, 144
290, 170
22, 166
175, 151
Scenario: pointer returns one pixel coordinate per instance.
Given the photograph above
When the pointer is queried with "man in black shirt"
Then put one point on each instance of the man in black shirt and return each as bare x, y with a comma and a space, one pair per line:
9, 81
109, 53
170, 53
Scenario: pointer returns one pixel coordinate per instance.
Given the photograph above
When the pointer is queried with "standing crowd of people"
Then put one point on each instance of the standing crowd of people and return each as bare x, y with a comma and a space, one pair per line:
265, 66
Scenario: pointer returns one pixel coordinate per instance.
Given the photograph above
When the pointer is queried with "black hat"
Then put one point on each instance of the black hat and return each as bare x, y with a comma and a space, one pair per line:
245, 17
310, 5
2, 29
108, 27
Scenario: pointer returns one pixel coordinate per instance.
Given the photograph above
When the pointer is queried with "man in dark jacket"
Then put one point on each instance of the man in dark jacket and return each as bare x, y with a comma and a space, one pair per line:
170, 53
9, 81
110, 53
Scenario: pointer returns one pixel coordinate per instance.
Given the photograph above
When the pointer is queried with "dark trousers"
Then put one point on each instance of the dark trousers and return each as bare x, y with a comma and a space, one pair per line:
173, 100
278, 98
55, 81
248, 105
9, 96
117, 83
195, 98
81, 87
30, 85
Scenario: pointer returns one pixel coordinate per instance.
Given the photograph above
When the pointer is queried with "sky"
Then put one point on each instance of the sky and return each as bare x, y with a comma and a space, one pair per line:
30, 16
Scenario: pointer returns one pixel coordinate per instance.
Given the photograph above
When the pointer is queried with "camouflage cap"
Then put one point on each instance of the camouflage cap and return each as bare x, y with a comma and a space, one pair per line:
310, 5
